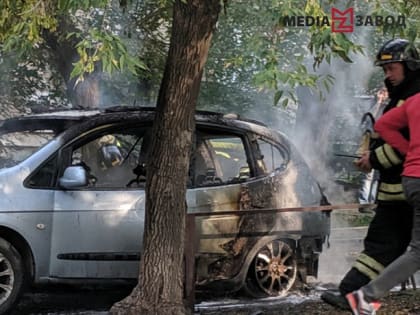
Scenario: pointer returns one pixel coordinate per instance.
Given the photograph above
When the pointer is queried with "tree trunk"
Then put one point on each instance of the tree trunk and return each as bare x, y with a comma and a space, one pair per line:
161, 277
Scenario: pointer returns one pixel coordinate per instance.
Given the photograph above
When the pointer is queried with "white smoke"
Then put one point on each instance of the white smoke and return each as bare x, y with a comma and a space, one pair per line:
325, 126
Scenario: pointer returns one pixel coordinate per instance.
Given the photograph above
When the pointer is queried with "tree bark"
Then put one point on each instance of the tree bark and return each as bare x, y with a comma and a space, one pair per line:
161, 276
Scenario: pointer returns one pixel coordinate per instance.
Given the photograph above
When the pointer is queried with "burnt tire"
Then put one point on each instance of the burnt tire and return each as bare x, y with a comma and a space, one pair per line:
12, 275
273, 270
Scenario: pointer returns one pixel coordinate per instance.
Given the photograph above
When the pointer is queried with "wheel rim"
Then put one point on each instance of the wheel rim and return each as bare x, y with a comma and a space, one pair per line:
7, 278
275, 268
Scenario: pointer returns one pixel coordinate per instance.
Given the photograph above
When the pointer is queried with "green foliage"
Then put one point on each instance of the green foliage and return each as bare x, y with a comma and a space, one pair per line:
106, 48
65, 6
324, 45
23, 25
252, 51
273, 53
252, 48
352, 219
152, 19
22, 22
410, 9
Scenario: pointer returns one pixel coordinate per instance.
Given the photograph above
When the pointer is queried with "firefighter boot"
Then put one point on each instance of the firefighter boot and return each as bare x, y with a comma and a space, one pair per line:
335, 299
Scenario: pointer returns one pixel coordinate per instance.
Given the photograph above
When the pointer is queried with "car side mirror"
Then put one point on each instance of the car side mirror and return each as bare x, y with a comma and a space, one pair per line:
74, 176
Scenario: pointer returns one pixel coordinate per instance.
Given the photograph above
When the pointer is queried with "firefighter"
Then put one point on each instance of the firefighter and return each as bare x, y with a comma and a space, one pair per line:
390, 229
109, 154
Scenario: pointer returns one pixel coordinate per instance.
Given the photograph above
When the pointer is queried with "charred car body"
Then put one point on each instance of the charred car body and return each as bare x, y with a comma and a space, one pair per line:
72, 202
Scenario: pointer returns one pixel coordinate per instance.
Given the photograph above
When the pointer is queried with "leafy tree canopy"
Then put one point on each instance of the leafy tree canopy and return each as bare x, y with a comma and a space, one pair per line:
252, 50
23, 25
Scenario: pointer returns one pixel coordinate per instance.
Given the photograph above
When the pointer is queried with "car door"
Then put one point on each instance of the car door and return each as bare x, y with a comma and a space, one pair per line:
220, 167
97, 229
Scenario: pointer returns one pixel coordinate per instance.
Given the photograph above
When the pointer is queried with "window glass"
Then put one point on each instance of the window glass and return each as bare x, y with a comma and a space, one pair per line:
17, 146
45, 176
271, 157
219, 159
114, 160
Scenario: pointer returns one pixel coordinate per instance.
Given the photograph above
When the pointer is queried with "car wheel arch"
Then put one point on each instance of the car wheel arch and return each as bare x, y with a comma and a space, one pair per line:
23, 247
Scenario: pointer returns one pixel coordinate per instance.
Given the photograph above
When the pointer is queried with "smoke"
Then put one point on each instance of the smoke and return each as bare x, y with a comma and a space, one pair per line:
332, 125
320, 128
344, 246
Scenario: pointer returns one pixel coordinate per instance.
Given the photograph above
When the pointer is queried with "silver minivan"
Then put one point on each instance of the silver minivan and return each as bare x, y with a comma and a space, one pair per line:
72, 202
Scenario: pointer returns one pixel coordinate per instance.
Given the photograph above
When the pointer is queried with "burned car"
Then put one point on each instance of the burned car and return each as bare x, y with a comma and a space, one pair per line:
72, 202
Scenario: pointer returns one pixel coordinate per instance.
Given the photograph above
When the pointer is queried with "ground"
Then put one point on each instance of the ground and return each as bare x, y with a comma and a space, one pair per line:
397, 303
88, 302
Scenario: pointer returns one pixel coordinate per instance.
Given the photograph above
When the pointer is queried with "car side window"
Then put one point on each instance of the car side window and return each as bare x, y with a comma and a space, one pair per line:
110, 159
271, 159
219, 159
44, 177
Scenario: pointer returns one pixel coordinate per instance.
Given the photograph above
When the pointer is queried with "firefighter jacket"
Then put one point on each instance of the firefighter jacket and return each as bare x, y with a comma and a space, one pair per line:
385, 159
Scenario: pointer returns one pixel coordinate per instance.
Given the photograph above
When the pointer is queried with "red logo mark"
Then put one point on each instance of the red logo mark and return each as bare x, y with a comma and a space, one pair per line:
342, 22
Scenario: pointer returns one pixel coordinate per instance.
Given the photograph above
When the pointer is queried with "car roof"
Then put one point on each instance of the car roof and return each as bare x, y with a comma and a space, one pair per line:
61, 120
39, 122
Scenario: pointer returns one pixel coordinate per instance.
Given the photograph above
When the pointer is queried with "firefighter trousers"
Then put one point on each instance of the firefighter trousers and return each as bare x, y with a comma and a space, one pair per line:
388, 236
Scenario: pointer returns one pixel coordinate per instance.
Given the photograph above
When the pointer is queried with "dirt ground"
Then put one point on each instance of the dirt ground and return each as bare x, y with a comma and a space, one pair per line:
88, 302
396, 303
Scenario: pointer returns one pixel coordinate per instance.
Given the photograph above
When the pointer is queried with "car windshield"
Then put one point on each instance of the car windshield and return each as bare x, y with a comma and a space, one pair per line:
16, 146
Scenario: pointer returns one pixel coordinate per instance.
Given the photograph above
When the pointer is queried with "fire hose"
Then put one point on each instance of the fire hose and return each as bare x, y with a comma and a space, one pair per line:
350, 206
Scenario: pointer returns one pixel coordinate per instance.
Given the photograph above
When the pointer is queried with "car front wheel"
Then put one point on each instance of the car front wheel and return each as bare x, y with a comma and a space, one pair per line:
11, 276
272, 271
